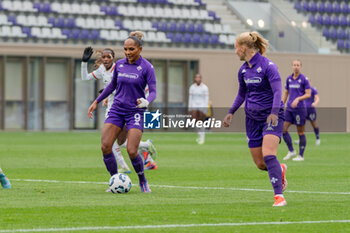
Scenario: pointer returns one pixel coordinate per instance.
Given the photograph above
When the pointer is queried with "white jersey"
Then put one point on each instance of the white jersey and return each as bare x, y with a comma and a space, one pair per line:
100, 74
199, 98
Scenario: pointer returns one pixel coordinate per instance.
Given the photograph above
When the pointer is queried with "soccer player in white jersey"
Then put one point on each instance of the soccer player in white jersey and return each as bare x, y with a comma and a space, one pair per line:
5, 183
104, 71
198, 103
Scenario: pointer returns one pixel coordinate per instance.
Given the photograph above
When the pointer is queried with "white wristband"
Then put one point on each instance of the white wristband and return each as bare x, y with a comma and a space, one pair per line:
144, 103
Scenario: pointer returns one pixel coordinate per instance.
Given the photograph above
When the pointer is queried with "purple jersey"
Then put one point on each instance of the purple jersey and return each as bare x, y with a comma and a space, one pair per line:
129, 81
260, 88
296, 87
310, 100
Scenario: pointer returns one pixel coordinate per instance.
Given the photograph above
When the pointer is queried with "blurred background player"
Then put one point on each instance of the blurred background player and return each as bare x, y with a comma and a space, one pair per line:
311, 115
5, 183
198, 103
260, 87
130, 77
298, 89
104, 71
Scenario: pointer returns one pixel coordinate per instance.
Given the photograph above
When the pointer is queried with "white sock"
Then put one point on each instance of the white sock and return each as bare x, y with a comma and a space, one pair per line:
118, 156
202, 134
143, 145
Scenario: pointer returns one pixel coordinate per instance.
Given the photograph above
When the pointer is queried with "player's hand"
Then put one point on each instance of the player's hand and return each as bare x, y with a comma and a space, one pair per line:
105, 102
313, 105
88, 51
228, 120
92, 108
295, 103
272, 119
142, 103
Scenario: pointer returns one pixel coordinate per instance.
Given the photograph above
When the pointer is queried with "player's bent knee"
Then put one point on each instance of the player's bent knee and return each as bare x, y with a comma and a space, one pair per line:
106, 149
132, 152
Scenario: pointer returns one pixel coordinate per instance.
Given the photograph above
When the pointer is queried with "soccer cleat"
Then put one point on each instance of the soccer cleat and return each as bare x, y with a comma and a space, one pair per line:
5, 183
152, 149
200, 141
284, 179
290, 155
151, 166
145, 187
318, 142
298, 158
296, 142
279, 201
108, 190
124, 170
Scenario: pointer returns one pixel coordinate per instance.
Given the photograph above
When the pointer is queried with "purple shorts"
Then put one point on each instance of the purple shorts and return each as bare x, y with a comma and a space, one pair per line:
311, 114
296, 117
131, 120
256, 130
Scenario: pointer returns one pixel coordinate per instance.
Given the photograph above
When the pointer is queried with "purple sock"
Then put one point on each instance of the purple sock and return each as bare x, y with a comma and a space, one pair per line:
317, 132
137, 163
302, 144
275, 173
111, 163
288, 140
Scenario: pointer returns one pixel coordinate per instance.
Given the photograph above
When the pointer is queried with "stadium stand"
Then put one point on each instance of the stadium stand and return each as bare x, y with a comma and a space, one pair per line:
165, 22
332, 18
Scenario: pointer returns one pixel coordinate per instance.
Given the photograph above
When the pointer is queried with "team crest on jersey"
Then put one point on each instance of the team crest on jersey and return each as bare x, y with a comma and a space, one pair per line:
289, 80
121, 65
243, 71
139, 68
259, 69
299, 81
271, 63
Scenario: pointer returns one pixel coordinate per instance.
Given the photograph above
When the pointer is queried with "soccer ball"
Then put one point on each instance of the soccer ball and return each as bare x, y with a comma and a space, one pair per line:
120, 183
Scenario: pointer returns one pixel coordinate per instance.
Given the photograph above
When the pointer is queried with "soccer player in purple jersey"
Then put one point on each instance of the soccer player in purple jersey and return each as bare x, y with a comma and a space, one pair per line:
311, 104
131, 75
298, 89
104, 71
260, 88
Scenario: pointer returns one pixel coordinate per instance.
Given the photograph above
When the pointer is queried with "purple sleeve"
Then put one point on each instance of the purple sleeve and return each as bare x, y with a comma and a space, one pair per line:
315, 91
277, 97
110, 88
307, 83
240, 97
152, 84
276, 87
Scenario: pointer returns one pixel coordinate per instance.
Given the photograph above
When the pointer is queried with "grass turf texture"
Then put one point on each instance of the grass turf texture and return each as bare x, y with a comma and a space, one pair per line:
224, 161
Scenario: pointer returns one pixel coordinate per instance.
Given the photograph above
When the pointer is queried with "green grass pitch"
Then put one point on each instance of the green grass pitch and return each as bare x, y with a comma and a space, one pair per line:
223, 165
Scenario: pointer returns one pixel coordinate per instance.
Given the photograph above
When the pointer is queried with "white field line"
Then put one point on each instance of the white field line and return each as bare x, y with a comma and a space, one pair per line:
101, 228
188, 187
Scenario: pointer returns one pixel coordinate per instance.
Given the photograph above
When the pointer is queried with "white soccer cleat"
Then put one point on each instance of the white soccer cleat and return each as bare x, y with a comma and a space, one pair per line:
318, 142
298, 158
290, 155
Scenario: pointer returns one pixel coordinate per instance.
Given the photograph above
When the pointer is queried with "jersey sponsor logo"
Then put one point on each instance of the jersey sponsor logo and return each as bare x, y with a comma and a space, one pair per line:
152, 120
294, 86
253, 80
259, 69
130, 75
